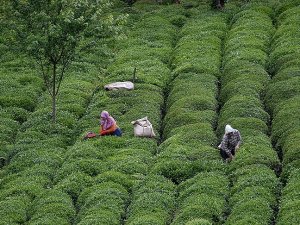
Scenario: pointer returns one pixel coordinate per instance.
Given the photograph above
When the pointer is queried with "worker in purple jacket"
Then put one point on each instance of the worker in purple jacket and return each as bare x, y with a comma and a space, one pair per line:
230, 143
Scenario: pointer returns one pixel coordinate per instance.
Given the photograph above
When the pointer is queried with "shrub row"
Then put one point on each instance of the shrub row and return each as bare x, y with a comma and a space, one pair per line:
188, 148
283, 100
153, 201
19, 93
202, 198
40, 146
93, 171
255, 185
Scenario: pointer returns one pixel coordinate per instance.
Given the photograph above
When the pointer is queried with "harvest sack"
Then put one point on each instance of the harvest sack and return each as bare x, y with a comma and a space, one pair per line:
119, 85
143, 128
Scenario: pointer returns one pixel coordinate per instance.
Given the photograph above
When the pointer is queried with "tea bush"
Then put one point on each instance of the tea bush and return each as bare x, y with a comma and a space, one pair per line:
153, 200
254, 193
126, 180
180, 162
130, 161
246, 125
202, 197
107, 211
257, 211
255, 175
243, 106
52, 203
13, 209
74, 183
286, 121
197, 133
250, 154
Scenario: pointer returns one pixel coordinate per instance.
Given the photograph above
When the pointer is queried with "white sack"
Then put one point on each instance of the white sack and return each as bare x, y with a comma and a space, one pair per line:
119, 85
143, 128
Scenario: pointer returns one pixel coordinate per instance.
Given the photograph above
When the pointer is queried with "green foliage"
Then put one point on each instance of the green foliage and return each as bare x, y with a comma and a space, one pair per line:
200, 206
286, 121
248, 54
106, 201
257, 211
13, 209
29, 186
243, 106
246, 125
48, 219
154, 198
255, 175
180, 162
211, 183
53, 202
202, 197
252, 154
288, 72
123, 179
73, 184
51, 157
241, 86
196, 134
181, 117
90, 167
15, 113
290, 148
195, 102
147, 220
244, 70
130, 161
253, 193
198, 222
100, 217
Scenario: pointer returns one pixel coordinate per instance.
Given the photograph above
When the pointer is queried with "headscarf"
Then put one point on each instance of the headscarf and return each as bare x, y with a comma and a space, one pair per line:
106, 120
229, 129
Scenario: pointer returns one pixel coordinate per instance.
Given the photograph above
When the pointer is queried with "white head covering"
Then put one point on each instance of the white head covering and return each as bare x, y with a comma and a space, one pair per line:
229, 129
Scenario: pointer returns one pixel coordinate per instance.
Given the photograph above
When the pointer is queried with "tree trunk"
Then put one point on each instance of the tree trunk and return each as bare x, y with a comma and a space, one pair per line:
54, 94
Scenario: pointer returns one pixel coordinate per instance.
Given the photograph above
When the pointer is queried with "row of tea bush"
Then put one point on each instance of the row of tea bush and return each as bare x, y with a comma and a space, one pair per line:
255, 187
283, 98
188, 156
39, 147
107, 177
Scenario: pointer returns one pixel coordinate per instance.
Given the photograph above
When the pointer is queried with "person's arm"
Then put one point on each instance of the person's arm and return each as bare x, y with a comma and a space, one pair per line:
221, 145
109, 130
239, 138
225, 148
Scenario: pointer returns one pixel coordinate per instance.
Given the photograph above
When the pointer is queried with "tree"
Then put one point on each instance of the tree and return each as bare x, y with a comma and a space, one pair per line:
51, 30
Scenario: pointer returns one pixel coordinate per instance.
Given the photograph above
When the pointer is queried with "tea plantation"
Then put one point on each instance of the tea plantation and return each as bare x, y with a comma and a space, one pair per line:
197, 69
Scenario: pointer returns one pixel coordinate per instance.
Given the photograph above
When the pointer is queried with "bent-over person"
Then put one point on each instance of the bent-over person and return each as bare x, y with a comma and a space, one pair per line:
230, 143
108, 125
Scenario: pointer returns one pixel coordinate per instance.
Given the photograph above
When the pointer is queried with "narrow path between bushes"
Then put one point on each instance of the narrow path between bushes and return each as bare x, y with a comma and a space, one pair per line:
278, 150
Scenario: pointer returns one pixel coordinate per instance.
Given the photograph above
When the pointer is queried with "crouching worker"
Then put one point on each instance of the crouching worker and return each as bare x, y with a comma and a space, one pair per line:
109, 125
230, 143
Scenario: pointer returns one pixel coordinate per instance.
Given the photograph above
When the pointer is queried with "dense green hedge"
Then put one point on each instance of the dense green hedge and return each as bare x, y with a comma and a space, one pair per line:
283, 100
255, 187
153, 200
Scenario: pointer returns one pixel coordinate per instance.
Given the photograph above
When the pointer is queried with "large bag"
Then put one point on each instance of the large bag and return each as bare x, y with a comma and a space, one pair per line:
143, 128
127, 85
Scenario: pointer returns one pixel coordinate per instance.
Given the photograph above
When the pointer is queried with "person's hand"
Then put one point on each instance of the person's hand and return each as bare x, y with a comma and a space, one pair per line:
231, 157
236, 148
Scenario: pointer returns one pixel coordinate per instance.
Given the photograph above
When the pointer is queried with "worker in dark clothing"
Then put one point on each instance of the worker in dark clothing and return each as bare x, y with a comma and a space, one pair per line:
218, 4
230, 143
